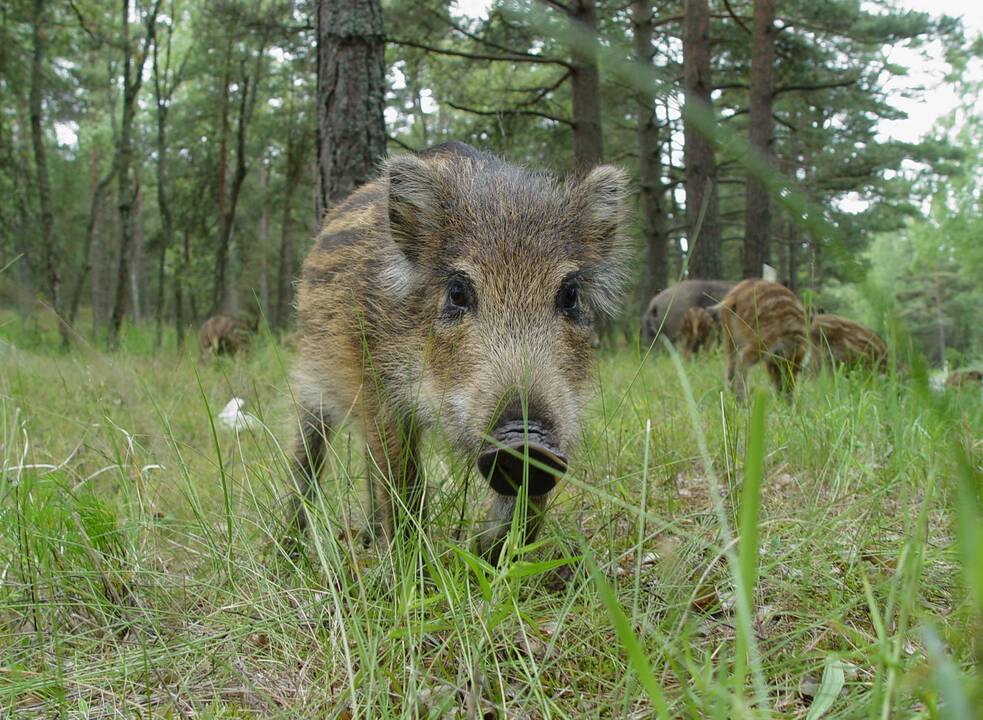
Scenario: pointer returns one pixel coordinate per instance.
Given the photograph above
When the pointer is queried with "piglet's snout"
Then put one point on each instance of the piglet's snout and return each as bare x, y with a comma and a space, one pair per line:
503, 463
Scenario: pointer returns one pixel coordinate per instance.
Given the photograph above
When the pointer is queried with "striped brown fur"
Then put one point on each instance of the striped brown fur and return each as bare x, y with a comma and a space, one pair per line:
697, 331
837, 340
962, 378
763, 321
439, 296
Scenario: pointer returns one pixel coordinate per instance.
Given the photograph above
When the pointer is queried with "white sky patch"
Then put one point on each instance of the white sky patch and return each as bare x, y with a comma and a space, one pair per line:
397, 78
67, 134
427, 102
474, 9
934, 96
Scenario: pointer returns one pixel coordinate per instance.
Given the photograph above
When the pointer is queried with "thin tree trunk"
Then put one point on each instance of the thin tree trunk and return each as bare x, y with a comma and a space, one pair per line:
91, 231
585, 86
939, 317
652, 196
163, 89
294, 168
263, 237
132, 81
702, 213
49, 253
223, 298
351, 84
136, 264
757, 222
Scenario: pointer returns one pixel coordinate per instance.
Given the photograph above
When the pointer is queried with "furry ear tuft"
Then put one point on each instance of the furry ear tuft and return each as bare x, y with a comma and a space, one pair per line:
601, 195
413, 202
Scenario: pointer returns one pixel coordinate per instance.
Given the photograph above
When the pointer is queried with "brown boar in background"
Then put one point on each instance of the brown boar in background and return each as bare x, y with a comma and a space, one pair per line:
837, 340
666, 309
223, 335
962, 378
762, 321
456, 291
697, 331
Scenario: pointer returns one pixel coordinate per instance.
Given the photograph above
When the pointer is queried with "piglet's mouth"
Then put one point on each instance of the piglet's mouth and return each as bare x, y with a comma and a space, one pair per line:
504, 465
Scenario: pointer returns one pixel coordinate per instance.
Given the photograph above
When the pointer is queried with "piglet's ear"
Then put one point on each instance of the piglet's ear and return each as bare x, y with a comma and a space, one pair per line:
603, 193
413, 203
601, 196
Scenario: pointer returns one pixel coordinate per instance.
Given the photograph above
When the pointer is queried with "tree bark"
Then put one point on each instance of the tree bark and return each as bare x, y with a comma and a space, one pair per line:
585, 87
49, 254
221, 301
263, 238
702, 213
351, 84
136, 262
292, 175
91, 230
652, 196
163, 90
132, 82
757, 213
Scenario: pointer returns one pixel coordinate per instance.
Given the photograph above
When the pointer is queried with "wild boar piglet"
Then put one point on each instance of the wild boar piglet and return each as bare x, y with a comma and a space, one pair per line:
762, 321
457, 291
837, 340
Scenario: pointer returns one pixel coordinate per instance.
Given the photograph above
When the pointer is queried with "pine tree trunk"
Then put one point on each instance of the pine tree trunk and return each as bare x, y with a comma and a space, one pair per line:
52, 275
588, 144
702, 213
132, 81
91, 232
652, 199
757, 214
136, 264
263, 240
351, 84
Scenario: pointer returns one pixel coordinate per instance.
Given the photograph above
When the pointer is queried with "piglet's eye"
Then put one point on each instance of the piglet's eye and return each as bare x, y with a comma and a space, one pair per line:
569, 297
459, 295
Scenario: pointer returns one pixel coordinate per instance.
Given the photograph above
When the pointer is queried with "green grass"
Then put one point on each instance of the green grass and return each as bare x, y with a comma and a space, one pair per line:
140, 572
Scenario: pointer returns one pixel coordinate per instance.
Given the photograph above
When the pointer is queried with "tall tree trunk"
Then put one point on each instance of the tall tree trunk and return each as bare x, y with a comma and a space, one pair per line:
91, 231
757, 214
652, 200
136, 263
294, 169
132, 81
588, 143
702, 213
263, 238
224, 294
939, 317
351, 84
52, 275
162, 96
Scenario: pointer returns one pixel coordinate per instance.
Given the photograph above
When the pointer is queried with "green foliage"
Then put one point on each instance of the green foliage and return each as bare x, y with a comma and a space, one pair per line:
122, 580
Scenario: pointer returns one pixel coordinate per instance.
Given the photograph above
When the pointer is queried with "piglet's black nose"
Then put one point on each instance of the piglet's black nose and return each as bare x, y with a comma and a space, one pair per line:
504, 464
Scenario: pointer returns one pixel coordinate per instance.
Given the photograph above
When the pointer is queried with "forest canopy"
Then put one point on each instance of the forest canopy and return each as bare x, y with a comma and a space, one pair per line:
159, 158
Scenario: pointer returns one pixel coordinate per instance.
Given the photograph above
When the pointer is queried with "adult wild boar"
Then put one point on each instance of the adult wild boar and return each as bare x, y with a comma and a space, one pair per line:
456, 291
665, 311
223, 335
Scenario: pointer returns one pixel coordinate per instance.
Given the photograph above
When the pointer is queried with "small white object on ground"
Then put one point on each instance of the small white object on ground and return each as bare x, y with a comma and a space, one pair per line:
232, 417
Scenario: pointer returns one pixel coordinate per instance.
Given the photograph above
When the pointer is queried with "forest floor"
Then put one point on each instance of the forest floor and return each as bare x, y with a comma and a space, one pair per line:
141, 573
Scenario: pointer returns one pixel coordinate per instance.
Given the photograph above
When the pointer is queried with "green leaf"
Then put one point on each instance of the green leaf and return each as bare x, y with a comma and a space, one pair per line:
829, 687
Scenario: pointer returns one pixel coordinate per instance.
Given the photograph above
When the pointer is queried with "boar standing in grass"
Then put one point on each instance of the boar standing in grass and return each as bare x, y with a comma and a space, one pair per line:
964, 378
697, 331
223, 335
456, 291
837, 340
665, 310
762, 321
